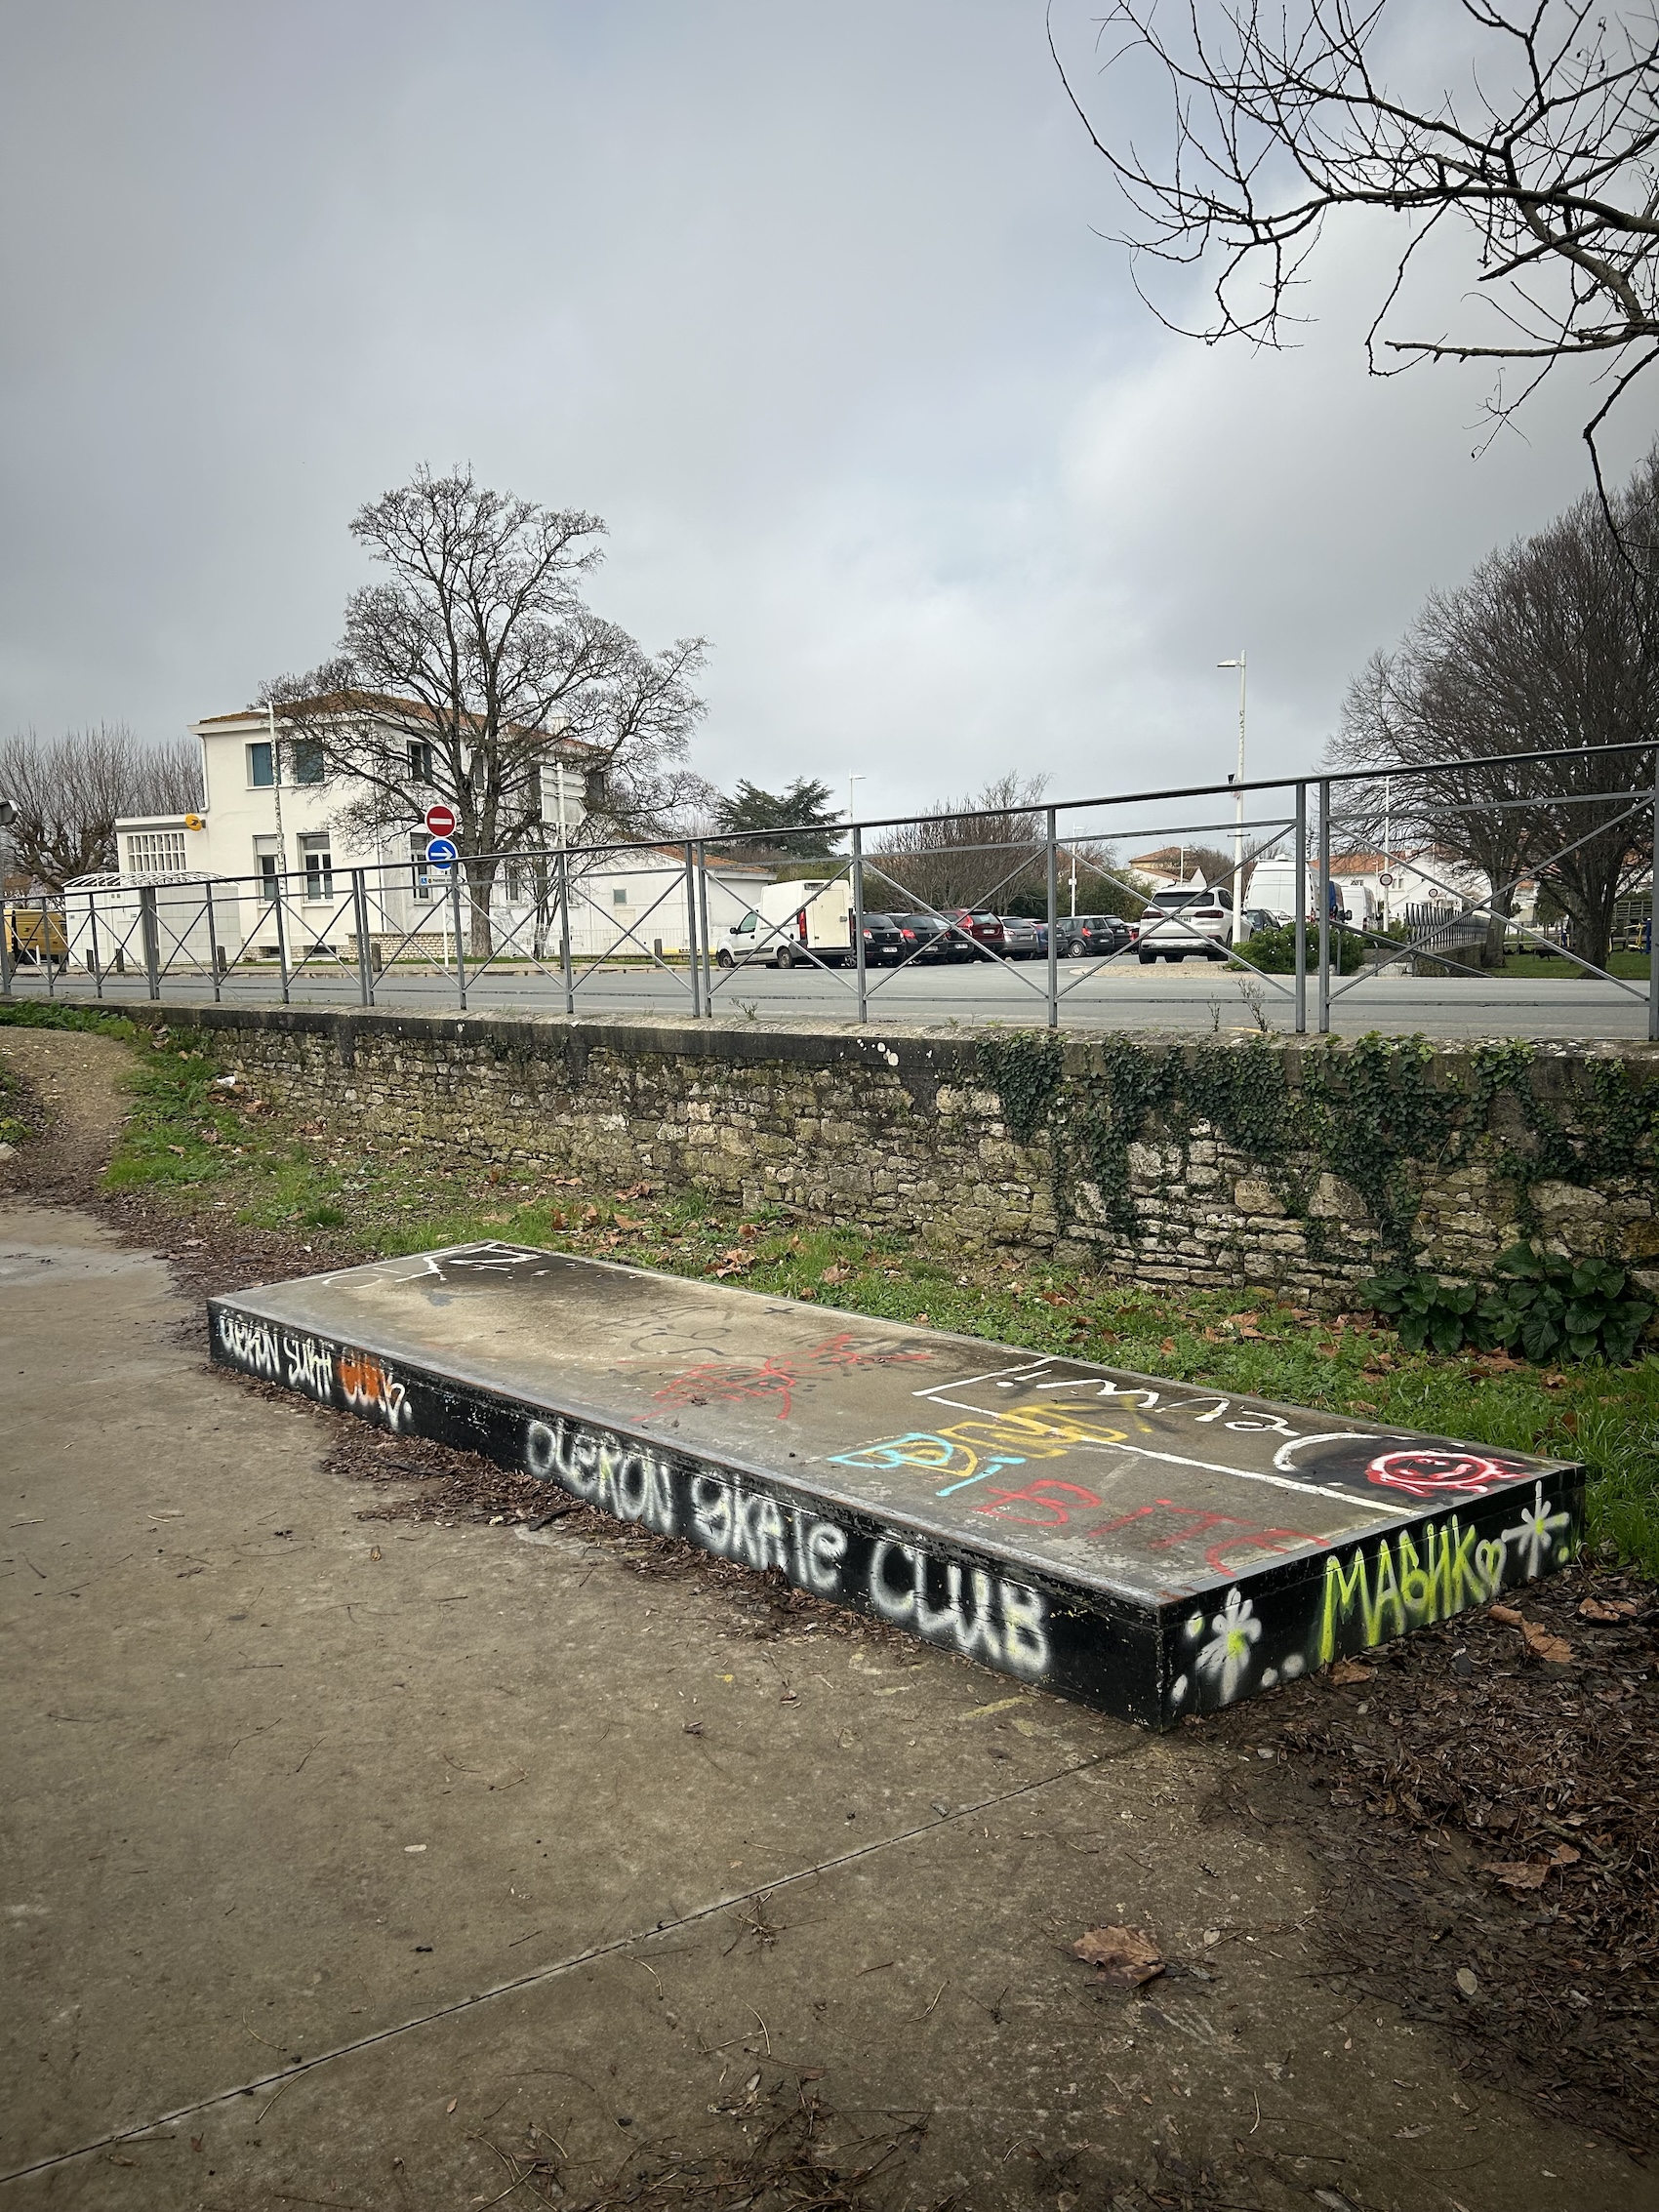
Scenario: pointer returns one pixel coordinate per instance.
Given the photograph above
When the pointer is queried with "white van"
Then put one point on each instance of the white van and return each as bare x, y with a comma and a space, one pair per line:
795, 925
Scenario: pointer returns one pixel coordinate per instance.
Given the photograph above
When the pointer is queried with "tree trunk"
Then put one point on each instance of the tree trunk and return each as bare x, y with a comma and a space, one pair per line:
478, 884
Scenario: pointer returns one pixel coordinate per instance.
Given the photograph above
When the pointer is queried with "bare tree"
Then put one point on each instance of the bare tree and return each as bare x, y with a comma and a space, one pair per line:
476, 666
1552, 643
69, 792
1281, 114
981, 851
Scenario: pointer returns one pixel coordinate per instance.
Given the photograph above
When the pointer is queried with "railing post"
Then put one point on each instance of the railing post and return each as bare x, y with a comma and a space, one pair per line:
151, 934
1301, 909
703, 930
282, 931
564, 930
455, 918
1053, 921
97, 957
856, 925
213, 937
1326, 906
6, 931
1653, 918
360, 915
693, 957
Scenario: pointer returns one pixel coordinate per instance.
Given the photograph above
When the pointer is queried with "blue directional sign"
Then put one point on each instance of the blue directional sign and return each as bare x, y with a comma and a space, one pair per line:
442, 852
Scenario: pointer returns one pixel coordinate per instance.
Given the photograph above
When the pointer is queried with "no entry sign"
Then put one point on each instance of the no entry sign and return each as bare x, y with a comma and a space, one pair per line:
440, 819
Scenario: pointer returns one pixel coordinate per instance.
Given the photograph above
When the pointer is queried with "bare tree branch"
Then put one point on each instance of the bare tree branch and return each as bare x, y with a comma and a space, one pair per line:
1276, 116
474, 667
69, 792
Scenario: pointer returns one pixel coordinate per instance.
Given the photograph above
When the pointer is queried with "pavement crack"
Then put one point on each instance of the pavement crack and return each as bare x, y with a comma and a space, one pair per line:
280, 2077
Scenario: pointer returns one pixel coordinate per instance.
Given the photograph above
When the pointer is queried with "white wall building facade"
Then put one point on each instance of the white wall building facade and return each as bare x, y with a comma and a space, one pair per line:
265, 871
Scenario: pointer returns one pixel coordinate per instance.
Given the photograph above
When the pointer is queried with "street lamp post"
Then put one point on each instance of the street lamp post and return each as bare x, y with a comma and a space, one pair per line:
8, 815
1238, 808
851, 807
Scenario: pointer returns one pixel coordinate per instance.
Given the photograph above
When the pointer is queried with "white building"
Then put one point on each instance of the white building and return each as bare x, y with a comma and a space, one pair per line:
266, 870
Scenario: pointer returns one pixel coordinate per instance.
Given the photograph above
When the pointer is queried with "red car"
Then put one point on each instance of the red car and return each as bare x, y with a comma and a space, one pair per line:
983, 929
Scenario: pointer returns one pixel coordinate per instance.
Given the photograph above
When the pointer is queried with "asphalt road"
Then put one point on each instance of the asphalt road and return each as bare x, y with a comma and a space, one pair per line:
1094, 994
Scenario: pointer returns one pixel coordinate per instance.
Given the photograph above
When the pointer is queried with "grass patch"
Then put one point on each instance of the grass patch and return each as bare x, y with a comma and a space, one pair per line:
1630, 967
198, 1152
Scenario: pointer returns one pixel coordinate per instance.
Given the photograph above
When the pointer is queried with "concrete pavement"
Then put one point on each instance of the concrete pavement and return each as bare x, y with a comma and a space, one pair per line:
528, 1855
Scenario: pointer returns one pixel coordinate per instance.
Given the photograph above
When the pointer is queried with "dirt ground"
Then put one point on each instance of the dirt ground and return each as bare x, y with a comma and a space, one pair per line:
1406, 1914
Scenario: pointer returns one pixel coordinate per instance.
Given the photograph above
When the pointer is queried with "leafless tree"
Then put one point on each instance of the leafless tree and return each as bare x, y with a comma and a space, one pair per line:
1554, 642
69, 792
474, 665
981, 851
1281, 114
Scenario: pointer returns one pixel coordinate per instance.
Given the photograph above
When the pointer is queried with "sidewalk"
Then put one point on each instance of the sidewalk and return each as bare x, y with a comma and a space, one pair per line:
546, 1867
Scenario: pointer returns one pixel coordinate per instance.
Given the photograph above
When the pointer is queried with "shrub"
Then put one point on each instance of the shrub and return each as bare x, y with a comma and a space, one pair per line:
1543, 1304
1274, 950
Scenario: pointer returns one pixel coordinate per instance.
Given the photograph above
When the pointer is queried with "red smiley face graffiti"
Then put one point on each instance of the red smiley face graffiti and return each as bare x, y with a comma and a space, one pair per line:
1424, 1473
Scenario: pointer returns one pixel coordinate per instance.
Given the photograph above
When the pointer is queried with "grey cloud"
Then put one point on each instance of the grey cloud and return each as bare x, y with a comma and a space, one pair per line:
807, 303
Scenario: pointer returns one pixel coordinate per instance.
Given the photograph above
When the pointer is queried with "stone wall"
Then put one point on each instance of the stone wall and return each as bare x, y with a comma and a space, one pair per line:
909, 1132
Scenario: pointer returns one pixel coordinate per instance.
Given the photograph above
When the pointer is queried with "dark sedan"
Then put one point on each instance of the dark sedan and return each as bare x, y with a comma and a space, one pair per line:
927, 938
884, 944
1091, 935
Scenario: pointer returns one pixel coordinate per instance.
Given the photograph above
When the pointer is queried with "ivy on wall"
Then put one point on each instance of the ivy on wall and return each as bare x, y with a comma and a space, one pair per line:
1383, 1114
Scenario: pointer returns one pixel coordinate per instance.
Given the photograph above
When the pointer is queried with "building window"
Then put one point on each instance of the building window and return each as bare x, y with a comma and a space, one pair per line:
618, 897
260, 772
419, 760
419, 872
309, 761
317, 860
155, 852
267, 866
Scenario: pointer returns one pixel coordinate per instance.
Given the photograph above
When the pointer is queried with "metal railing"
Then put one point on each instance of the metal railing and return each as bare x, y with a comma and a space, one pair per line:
684, 910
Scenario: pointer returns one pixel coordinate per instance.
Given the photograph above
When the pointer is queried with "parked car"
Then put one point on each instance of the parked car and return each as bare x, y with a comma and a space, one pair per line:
927, 938
1092, 936
1186, 920
1257, 918
975, 929
1022, 940
884, 944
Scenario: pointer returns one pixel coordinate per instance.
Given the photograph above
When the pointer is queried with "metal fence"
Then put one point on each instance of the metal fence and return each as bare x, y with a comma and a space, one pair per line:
556, 919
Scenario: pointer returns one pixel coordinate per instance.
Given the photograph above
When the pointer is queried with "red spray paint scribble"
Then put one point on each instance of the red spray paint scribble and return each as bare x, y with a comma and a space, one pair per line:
1059, 1500
1424, 1473
731, 1382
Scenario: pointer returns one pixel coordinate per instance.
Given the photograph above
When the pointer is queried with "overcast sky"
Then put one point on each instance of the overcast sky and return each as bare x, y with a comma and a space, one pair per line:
810, 304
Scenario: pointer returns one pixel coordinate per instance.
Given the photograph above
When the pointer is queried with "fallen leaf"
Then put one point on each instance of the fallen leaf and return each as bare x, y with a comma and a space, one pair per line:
450, 2107
1467, 1983
1519, 1873
1167, 1345
1555, 1382
1564, 1855
1508, 1615
836, 1274
1597, 1609
693, 1727
1543, 1645
1347, 1670
1125, 1956
374, 1552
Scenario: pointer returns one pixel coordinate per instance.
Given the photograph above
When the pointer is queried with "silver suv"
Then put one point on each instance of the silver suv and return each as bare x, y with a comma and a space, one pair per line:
1178, 922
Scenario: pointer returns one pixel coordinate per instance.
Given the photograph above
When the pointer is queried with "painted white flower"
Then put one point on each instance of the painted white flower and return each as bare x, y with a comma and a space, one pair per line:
1225, 1658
